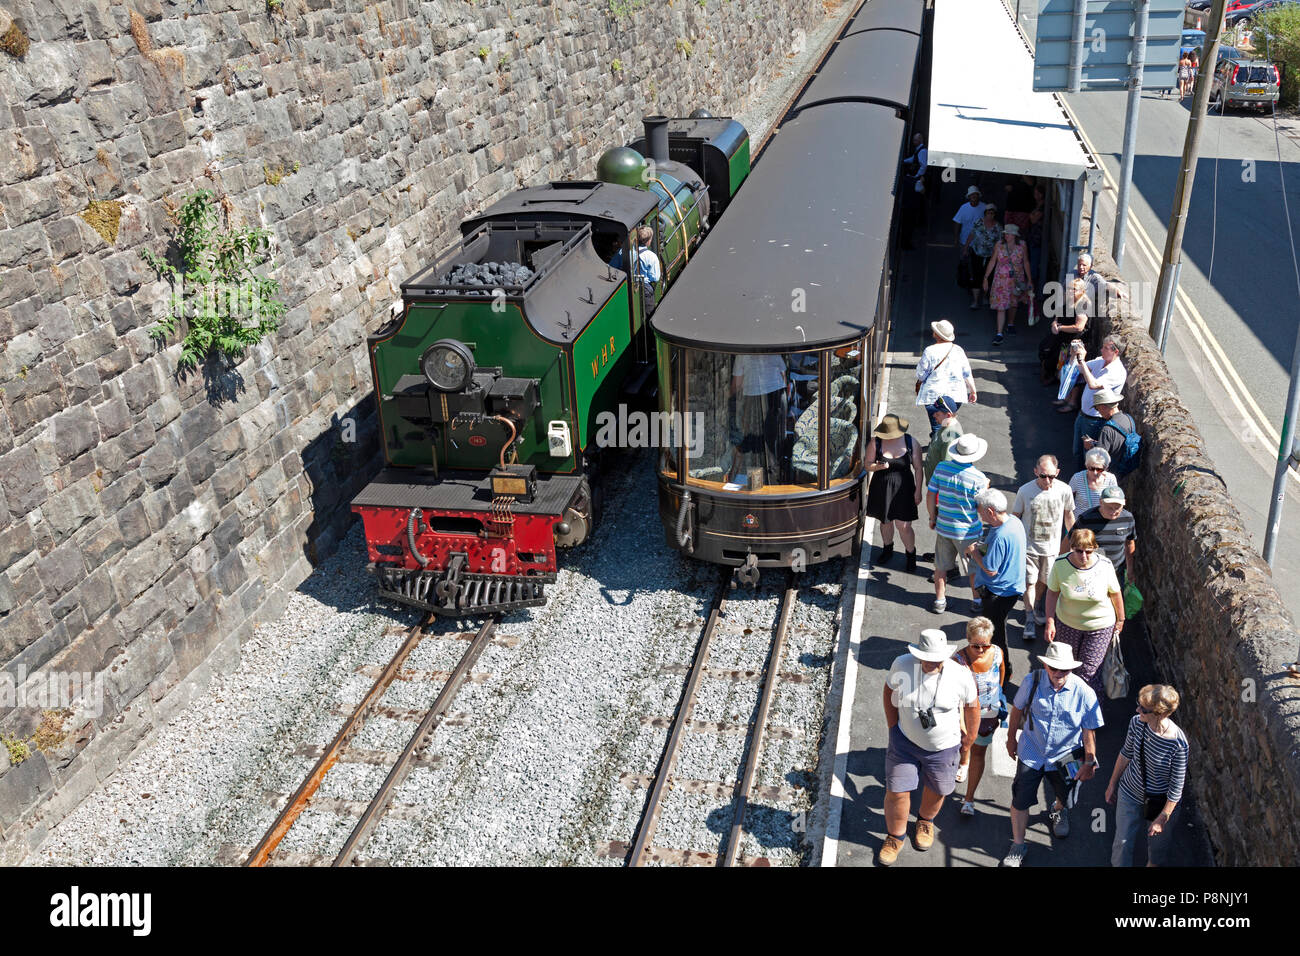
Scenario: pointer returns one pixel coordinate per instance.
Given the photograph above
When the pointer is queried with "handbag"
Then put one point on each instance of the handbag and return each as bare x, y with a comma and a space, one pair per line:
1155, 802
1114, 673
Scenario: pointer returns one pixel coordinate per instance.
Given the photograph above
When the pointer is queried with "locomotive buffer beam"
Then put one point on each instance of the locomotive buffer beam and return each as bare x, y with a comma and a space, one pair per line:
458, 593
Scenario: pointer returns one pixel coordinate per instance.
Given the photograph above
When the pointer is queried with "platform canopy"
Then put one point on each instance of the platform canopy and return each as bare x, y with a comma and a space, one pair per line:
984, 113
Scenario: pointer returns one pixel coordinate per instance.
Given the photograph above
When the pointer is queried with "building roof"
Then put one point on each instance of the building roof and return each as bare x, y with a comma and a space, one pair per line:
984, 113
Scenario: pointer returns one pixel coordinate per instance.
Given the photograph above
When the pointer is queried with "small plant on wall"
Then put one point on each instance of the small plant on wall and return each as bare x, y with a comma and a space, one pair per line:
219, 298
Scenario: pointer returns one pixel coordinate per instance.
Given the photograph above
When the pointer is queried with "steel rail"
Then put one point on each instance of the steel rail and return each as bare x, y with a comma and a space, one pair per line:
654, 805
301, 797
746, 783
374, 812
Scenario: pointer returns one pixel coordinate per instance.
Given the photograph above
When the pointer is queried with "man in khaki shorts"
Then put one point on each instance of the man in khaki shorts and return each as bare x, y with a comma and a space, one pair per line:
954, 515
1043, 505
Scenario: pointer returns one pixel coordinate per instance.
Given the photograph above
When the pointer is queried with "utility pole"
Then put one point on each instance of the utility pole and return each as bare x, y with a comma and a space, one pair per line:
1076, 45
1142, 9
1162, 308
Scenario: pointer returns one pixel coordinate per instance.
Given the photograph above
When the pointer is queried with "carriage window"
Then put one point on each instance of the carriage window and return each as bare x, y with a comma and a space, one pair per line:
846, 408
753, 420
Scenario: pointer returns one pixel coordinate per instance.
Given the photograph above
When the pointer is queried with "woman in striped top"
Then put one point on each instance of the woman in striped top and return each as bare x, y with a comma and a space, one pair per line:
1088, 484
1152, 763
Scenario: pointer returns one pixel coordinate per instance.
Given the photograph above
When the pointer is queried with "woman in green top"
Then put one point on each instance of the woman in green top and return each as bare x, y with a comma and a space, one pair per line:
1085, 607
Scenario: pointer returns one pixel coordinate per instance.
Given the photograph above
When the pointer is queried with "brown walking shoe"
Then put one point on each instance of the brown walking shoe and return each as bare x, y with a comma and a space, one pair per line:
924, 838
889, 850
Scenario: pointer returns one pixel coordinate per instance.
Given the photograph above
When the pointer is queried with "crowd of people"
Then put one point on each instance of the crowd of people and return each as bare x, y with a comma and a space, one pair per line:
1061, 544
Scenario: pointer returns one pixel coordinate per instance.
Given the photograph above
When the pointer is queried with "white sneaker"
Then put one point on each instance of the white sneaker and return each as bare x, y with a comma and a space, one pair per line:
1015, 856
961, 773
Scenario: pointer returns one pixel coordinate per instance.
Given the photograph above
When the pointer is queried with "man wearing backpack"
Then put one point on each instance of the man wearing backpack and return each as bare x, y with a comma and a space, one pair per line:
1118, 434
1115, 529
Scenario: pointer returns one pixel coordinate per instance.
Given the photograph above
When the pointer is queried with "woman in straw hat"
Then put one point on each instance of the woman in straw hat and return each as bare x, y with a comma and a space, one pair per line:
895, 491
1008, 270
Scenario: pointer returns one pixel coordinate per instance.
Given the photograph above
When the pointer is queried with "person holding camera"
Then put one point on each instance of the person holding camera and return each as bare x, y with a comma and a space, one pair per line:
1060, 715
1148, 778
932, 707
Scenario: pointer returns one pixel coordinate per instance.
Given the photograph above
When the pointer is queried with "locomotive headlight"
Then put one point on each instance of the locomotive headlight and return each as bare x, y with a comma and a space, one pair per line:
447, 365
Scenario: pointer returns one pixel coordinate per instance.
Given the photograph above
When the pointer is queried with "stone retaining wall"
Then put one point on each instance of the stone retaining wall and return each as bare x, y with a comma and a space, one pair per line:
1218, 627
147, 521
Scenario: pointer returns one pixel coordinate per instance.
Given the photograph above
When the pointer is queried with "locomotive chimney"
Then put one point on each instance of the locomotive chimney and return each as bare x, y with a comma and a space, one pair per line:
656, 137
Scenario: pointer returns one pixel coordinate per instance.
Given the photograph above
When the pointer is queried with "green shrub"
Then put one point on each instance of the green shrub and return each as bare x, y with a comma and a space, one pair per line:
224, 303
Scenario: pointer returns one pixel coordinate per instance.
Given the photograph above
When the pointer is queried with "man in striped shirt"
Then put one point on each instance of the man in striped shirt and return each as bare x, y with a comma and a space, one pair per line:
953, 513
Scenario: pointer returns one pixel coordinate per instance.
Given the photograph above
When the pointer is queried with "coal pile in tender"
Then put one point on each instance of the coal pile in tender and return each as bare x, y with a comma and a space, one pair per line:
489, 275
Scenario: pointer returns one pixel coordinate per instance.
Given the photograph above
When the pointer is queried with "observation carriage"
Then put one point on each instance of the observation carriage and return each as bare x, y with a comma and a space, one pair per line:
769, 347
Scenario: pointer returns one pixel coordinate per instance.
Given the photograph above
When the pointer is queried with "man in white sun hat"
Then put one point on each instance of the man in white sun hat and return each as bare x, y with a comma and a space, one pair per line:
1060, 715
971, 212
932, 709
954, 515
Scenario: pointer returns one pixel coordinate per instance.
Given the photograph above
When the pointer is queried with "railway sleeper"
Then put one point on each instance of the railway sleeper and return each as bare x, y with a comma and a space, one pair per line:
457, 593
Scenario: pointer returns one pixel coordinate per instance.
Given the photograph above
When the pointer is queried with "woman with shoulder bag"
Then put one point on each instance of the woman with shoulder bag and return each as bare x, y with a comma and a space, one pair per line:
943, 370
1008, 270
1147, 782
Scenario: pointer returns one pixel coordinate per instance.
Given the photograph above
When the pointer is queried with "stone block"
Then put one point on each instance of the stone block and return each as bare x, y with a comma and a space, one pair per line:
159, 507
134, 573
140, 662
113, 418
17, 542
161, 462
28, 201
61, 570
195, 639
141, 387
74, 139
227, 482
22, 244
163, 133
133, 524
20, 476
21, 786
198, 425
75, 432
71, 508
16, 284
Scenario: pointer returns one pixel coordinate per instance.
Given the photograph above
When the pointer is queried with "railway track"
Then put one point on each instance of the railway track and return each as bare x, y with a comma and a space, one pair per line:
643, 850
339, 750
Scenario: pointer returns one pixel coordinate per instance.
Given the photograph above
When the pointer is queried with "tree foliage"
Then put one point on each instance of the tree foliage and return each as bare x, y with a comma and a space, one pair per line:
218, 295
1276, 36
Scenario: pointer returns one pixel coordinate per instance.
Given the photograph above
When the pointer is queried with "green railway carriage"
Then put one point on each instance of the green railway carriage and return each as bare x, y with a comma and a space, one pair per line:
494, 372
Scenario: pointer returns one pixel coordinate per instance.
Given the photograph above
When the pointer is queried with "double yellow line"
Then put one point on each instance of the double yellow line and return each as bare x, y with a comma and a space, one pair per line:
1223, 369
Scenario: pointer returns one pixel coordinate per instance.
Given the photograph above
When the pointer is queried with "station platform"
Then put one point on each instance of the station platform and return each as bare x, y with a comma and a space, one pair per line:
1014, 413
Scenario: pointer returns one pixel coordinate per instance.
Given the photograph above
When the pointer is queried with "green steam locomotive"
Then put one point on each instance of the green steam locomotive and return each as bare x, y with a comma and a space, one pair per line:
502, 356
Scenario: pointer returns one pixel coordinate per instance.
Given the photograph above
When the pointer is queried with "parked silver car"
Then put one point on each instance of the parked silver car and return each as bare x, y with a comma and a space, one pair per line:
1242, 82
